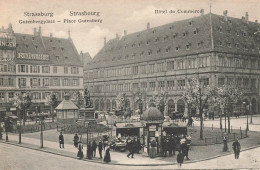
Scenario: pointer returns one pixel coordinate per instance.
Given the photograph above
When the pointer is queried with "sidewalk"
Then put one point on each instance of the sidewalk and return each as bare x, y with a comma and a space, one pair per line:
197, 153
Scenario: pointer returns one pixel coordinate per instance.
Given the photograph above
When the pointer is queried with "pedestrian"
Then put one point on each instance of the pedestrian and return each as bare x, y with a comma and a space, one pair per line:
107, 157
89, 151
76, 140
225, 147
153, 149
236, 147
164, 147
100, 148
180, 158
138, 146
61, 140
131, 148
94, 148
185, 150
172, 146
80, 150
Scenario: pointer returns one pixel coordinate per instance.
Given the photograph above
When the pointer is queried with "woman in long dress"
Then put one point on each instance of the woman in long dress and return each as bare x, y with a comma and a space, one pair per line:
107, 157
80, 150
153, 149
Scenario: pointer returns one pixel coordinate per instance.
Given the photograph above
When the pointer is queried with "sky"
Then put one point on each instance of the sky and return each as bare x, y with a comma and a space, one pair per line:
116, 15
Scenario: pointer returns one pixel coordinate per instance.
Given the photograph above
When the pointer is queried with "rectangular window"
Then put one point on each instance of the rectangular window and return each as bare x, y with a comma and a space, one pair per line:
65, 70
151, 68
45, 69
74, 70
10, 81
161, 85
2, 95
22, 82
23, 68
11, 95
246, 82
135, 70
75, 82
1, 81
34, 69
144, 85
170, 85
152, 86
143, 69
56, 82
55, 70
181, 84
180, 64
204, 81
253, 83
65, 82
45, 82
221, 81
170, 65
159, 67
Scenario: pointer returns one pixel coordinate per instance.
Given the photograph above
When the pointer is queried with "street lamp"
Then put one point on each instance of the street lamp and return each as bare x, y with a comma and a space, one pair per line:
247, 128
251, 119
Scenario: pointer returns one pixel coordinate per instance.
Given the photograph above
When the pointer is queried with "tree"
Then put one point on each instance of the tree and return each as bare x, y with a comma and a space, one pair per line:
158, 100
227, 95
121, 103
22, 101
198, 95
51, 101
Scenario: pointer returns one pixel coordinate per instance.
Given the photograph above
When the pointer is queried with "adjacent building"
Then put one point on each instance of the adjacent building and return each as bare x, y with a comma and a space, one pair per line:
217, 49
39, 65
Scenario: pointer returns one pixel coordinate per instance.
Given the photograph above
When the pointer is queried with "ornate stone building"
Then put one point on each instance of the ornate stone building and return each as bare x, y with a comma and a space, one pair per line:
38, 64
217, 49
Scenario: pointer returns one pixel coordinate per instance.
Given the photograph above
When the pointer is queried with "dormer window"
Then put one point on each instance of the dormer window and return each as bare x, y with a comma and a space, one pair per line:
237, 33
170, 27
33, 38
166, 37
156, 39
177, 48
188, 46
57, 57
237, 45
245, 46
184, 34
174, 35
142, 53
220, 43
147, 42
119, 58
190, 22
140, 43
62, 48
59, 41
50, 40
154, 31
195, 31
229, 21
27, 45
167, 49
23, 37
200, 44
229, 31
244, 34
149, 52
36, 46
53, 48
66, 57
138, 35
126, 57
159, 50
133, 45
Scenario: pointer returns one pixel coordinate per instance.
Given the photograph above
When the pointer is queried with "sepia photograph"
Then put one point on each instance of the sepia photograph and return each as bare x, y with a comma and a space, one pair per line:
129, 84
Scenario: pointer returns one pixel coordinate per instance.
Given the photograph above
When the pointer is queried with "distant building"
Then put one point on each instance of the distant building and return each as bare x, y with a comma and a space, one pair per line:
86, 58
38, 64
217, 49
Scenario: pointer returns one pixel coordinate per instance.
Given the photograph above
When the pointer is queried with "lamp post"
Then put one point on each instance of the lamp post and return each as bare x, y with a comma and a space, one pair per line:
247, 128
251, 114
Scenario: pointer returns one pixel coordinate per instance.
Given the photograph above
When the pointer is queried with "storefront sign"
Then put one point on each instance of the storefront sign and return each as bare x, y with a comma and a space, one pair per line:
29, 56
7, 44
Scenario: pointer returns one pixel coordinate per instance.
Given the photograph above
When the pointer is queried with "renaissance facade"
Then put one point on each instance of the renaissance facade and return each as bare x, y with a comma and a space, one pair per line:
39, 65
217, 49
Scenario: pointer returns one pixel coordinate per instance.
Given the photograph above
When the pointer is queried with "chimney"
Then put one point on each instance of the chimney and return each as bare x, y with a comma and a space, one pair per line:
81, 54
40, 30
69, 34
117, 36
34, 31
148, 25
202, 11
225, 15
105, 40
125, 32
246, 17
50, 34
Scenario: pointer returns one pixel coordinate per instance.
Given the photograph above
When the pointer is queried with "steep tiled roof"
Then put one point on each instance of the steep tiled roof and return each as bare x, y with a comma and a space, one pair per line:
86, 59
66, 105
61, 51
185, 37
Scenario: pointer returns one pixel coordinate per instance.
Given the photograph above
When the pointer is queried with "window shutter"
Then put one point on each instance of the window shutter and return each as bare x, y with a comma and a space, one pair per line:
39, 82
38, 69
51, 82
30, 69
19, 69
26, 68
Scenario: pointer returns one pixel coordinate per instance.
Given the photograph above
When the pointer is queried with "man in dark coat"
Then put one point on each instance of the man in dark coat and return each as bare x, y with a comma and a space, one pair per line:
236, 147
180, 158
185, 150
94, 148
100, 148
76, 140
89, 151
172, 146
131, 148
61, 140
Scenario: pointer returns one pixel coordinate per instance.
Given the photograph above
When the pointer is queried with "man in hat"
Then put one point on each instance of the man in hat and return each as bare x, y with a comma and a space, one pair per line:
236, 147
100, 148
61, 140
